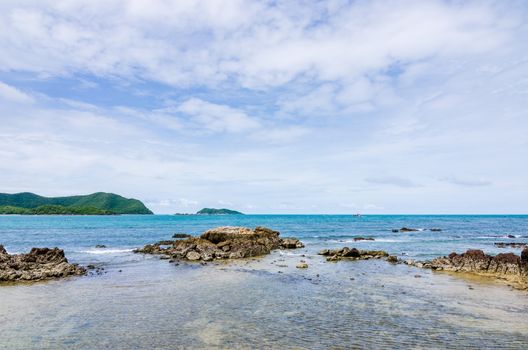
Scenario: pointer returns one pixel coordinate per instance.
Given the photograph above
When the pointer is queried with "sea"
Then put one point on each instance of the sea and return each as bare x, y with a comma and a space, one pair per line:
139, 301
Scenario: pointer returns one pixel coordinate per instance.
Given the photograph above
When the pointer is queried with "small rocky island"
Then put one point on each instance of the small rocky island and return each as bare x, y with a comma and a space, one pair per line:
221, 243
39, 264
214, 211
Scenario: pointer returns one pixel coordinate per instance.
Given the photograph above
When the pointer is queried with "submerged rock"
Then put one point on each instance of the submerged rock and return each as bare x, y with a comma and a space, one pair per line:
100, 246
363, 238
226, 242
38, 264
511, 245
407, 229
352, 253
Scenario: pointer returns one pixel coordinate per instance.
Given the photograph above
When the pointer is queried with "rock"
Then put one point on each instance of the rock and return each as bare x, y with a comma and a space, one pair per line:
352, 253
511, 245
302, 265
193, 256
223, 243
392, 259
435, 229
290, 243
524, 255
181, 235
363, 239
406, 229
100, 246
511, 236
324, 252
395, 230
38, 264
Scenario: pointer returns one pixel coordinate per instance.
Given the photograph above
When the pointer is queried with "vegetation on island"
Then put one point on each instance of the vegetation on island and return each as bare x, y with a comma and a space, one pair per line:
213, 211
53, 210
94, 204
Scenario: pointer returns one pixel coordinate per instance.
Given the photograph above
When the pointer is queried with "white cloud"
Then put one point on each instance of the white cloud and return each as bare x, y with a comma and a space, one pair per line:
13, 94
217, 118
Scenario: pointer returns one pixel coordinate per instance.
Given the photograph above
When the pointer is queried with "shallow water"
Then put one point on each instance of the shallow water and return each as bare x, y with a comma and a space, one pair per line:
144, 302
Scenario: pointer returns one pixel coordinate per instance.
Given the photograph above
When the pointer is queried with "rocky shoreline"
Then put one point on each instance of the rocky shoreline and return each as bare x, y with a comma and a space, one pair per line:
223, 243
37, 265
229, 243
507, 267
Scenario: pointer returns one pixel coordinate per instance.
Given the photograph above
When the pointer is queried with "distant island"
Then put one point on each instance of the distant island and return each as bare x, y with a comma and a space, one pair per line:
99, 203
213, 211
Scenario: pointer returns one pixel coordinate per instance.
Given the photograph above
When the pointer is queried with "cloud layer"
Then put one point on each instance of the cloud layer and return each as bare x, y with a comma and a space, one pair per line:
335, 107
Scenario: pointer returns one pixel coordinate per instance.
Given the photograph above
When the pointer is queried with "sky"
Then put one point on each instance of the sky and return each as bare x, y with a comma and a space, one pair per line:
373, 107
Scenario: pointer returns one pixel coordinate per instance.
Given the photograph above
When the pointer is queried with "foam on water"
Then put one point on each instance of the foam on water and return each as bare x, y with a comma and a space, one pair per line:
100, 251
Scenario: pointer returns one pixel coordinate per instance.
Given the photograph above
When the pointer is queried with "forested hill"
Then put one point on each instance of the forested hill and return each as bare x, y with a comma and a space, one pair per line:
95, 203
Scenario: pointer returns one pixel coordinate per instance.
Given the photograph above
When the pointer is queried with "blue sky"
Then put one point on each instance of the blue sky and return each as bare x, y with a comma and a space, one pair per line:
269, 107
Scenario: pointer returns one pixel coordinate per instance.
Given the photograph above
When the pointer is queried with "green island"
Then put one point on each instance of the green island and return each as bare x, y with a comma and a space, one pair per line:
213, 211
99, 203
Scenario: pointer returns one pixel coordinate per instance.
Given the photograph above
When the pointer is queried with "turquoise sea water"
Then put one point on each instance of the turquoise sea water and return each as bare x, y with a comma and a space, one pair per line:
143, 302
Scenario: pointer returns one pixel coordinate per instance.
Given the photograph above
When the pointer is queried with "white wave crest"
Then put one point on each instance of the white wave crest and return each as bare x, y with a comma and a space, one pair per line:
106, 251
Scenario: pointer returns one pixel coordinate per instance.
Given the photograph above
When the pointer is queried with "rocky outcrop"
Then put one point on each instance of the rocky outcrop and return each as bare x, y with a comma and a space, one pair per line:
505, 266
223, 243
290, 243
38, 264
352, 253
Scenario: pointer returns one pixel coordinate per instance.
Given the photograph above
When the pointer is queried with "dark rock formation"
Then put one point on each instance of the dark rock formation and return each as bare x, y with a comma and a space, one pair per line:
181, 235
38, 264
392, 259
363, 239
223, 243
352, 253
407, 229
435, 229
100, 246
290, 243
511, 245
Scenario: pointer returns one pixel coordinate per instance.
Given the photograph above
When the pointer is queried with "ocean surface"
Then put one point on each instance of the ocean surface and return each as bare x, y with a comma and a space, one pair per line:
265, 303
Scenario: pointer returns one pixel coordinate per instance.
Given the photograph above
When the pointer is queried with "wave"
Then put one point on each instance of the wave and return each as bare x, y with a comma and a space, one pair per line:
106, 251
498, 236
376, 240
